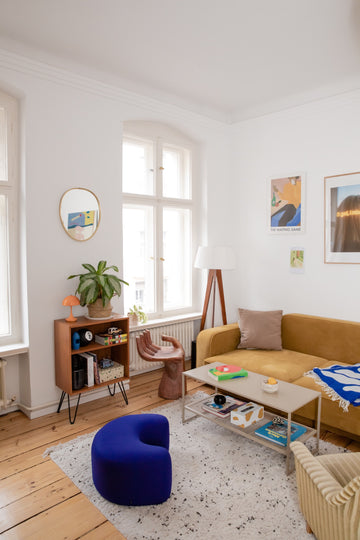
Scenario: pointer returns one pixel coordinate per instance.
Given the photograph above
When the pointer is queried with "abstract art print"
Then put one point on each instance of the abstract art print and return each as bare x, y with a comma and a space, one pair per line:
287, 203
342, 218
297, 259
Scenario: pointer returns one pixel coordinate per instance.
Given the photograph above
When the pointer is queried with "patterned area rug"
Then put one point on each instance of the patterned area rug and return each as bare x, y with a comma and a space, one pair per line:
224, 486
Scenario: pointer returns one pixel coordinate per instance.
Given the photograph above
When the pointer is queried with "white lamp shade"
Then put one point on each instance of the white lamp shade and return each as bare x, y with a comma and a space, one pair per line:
215, 258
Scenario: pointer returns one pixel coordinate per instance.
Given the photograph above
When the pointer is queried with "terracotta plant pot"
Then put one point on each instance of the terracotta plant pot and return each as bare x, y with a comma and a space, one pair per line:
98, 311
133, 319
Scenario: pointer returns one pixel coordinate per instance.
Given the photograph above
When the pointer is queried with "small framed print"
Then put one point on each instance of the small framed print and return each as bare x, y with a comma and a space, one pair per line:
342, 218
287, 197
297, 260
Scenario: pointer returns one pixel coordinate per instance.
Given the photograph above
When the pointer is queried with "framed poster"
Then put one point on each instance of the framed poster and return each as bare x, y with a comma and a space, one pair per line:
342, 218
287, 196
297, 259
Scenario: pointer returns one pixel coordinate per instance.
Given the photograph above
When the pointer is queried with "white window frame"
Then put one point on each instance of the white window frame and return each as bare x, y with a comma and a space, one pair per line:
10, 188
161, 136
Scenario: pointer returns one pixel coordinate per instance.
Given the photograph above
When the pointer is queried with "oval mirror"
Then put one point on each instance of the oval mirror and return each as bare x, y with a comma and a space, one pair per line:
80, 213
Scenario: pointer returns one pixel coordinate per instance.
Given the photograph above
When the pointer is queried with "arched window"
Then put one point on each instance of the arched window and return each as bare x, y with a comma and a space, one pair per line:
157, 219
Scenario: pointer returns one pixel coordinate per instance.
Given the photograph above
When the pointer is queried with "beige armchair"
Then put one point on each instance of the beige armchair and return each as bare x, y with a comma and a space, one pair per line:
329, 493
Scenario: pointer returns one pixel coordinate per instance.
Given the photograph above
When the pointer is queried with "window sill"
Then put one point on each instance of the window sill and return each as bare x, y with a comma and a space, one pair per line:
11, 350
167, 320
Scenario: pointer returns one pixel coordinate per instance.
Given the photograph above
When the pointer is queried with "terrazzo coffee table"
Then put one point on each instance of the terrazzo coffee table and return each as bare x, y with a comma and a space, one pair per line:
287, 400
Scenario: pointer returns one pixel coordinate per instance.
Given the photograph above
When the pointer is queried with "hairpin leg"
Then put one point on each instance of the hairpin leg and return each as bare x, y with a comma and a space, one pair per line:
72, 421
122, 389
63, 394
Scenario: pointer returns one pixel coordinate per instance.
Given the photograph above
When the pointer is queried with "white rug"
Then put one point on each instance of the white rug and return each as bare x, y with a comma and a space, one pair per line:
224, 486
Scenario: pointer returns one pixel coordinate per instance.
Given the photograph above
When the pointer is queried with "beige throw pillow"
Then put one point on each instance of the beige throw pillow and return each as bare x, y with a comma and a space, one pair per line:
260, 329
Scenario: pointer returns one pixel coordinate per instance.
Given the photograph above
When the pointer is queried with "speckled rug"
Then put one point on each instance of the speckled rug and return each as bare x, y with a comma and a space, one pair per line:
224, 486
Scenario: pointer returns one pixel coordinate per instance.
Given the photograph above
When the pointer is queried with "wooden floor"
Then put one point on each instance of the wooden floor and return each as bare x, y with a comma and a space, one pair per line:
37, 500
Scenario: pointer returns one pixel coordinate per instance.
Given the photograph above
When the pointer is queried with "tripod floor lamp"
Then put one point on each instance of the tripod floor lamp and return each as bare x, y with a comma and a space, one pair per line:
214, 259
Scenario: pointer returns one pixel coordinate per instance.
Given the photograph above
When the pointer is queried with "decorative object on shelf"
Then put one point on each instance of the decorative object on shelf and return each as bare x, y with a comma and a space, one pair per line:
75, 341
71, 301
86, 336
79, 213
270, 385
96, 289
276, 431
214, 259
247, 414
136, 315
219, 399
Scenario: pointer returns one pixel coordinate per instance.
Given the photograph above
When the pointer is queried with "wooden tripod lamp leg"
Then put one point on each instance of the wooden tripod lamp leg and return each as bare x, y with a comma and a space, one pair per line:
222, 298
211, 278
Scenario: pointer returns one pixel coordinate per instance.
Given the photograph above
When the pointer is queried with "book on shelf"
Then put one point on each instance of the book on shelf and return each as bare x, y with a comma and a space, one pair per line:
277, 432
223, 410
226, 371
110, 339
88, 368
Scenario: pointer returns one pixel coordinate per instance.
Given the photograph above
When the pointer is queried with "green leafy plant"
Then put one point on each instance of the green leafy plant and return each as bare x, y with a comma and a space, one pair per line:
96, 284
137, 310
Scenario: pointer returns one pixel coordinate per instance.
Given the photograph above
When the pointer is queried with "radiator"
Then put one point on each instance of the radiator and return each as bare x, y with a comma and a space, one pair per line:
183, 331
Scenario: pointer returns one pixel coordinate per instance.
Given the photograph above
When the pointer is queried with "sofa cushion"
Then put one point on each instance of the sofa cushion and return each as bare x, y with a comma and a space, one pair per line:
260, 329
284, 365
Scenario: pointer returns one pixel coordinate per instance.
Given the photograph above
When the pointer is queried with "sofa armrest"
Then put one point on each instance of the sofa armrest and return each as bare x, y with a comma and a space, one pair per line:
214, 341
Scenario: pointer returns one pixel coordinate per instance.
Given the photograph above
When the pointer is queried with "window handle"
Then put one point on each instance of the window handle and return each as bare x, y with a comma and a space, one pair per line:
161, 168
162, 259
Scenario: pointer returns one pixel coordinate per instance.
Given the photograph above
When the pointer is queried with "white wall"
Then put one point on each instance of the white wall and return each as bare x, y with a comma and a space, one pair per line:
320, 139
72, 130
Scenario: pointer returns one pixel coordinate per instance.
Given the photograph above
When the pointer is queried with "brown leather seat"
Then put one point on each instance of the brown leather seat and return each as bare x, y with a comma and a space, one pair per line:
174, 362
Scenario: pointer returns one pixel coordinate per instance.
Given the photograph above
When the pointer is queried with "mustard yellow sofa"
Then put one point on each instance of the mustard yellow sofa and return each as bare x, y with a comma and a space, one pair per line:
308, 342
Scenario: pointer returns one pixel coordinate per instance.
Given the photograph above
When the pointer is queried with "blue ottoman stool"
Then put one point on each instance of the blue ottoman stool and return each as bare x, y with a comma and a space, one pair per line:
131, 464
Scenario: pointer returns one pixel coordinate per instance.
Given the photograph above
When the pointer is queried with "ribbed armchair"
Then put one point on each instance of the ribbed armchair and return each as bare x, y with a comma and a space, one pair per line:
329, 493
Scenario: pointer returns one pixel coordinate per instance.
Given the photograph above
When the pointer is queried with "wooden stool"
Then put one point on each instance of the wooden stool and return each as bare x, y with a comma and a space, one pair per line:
174, 362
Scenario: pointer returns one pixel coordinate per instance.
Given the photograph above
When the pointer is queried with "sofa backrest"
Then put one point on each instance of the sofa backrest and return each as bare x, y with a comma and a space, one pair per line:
333, 339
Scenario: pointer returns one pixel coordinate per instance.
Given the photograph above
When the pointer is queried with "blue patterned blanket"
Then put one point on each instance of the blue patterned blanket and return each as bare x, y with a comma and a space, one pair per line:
340, 383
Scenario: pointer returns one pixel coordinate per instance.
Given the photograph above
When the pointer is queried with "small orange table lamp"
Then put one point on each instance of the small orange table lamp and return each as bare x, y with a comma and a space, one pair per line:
71, 301
214, 259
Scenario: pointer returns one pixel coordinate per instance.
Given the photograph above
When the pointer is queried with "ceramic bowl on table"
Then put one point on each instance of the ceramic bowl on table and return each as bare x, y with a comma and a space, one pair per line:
270, 385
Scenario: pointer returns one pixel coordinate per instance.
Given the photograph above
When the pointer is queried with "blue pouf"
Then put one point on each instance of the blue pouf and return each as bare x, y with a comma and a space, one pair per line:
131, 464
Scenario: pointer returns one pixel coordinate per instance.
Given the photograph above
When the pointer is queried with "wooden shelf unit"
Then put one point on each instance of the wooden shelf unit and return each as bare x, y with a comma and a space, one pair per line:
63, 330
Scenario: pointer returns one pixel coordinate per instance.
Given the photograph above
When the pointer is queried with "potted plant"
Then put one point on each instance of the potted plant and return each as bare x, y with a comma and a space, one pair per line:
136, 315
96, 289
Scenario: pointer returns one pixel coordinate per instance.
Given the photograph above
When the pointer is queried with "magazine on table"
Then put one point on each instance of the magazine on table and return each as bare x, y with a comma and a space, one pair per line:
277, 432
223, 410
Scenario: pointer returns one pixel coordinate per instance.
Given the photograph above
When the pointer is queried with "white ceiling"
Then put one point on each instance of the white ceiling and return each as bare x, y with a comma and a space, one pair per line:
228, 59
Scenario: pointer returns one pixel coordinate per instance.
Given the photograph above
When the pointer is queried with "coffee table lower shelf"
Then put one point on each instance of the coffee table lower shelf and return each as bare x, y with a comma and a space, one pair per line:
195, 407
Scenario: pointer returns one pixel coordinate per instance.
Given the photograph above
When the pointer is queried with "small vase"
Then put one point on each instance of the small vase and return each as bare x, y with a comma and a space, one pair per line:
98, 311
133, 319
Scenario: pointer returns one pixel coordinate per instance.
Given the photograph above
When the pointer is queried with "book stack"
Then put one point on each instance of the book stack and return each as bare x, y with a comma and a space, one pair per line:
277, 432
225, 372
110, 339
223, 410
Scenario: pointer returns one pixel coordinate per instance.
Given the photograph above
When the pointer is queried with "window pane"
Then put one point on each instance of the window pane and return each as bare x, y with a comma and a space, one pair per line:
177, 253
4, 269
138, 167
176, 175
3, 146
138, 234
